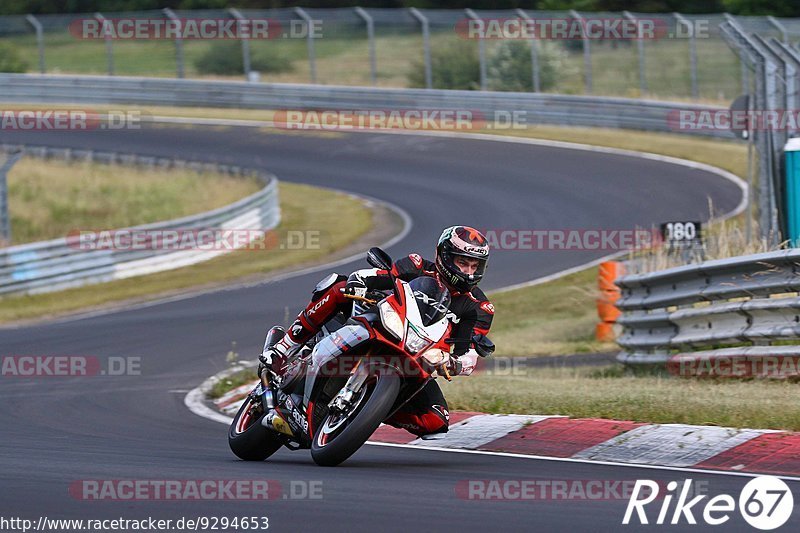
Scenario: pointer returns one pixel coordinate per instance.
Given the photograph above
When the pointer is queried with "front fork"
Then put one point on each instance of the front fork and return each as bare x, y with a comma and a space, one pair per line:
344, 399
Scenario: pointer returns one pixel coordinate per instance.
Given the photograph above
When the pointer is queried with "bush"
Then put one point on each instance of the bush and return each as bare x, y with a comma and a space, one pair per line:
10, 60
510, 67
225, 58
454, 66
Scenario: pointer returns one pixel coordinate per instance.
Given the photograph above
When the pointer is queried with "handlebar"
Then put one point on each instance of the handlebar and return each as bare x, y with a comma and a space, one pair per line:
360, 299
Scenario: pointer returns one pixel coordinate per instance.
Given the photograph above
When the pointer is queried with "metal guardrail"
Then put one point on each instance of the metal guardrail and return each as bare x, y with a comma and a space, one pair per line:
722, 309
565, 110
62, 263
6, 163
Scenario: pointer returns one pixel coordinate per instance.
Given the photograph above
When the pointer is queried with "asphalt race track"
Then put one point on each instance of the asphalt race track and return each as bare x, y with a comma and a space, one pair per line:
56, 431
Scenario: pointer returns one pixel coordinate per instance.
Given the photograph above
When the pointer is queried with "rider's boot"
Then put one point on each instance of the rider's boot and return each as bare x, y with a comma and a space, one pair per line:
281, 343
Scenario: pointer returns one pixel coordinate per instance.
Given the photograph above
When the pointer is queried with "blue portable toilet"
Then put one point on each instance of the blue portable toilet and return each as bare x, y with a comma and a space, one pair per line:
792, 155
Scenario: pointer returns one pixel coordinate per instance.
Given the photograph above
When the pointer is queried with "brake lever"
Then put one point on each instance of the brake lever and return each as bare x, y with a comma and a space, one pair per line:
360, 299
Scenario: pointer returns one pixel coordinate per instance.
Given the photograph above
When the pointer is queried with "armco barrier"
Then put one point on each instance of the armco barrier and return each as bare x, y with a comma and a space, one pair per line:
722, 310
564, 110
56, 264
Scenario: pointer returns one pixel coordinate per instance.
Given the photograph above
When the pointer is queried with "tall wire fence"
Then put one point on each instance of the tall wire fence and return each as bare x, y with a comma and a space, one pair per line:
687, 58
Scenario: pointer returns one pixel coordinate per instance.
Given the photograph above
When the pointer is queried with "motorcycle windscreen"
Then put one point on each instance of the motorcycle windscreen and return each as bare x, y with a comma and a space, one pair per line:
433, 299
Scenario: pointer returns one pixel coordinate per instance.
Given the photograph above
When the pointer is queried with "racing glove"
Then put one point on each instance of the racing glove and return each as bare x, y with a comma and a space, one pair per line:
355, 285
464, 365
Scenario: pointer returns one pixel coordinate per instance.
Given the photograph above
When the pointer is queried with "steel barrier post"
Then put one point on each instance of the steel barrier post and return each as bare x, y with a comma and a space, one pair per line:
178, 41
587, 51
692, 53
373, 66
37, 26
426, 44
536, 77
109, 43
312, 62
640, 48
481, 47
241, 19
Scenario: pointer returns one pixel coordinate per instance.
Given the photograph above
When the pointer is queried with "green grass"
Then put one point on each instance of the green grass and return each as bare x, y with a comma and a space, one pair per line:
609, 393
47, 199
231, 382
303, 208
552, 318
613, 393
342, 57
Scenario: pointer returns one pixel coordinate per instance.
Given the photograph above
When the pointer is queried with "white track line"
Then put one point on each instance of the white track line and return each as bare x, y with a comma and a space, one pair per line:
196, 404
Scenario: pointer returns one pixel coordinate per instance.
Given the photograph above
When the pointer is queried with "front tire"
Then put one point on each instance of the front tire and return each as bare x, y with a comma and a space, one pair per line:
248, 439
334, 447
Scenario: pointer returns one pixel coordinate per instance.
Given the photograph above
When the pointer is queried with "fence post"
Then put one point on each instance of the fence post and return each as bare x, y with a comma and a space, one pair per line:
791, 60
640, 48
373, 66
109, 43
178, 41
481, 47
5, 219
587, 51
312, 62
426, 44
781, 28
776, 101
745, 70
537, 83
37, 26
692, 53
738, 40
241, 19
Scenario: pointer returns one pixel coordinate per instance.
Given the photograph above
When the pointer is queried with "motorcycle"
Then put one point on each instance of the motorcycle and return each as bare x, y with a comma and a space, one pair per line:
334, 391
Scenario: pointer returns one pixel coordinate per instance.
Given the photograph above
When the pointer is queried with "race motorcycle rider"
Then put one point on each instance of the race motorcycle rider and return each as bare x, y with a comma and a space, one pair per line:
460, 263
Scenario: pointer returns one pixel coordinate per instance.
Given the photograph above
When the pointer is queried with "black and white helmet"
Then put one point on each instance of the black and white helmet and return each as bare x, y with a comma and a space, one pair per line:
466, 242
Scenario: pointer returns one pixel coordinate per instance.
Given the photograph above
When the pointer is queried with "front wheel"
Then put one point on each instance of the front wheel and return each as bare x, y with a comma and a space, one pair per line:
339, 435
248, 439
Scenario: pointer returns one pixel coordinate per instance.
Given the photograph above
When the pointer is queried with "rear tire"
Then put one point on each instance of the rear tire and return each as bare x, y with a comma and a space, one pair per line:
248, 439
360, 428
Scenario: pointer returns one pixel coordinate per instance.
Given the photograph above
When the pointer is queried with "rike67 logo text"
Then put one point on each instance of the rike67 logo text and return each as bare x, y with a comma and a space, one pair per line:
765, 503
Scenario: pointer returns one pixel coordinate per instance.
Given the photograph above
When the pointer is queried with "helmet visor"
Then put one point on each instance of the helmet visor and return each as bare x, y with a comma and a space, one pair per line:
452, 258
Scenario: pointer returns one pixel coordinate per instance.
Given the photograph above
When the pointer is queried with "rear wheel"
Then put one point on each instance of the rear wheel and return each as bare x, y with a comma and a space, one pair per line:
339, 435
248, 439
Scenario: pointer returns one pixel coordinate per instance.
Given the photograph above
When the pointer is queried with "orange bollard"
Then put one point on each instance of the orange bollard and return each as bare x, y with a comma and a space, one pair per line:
607, 273
608, 313
604, 332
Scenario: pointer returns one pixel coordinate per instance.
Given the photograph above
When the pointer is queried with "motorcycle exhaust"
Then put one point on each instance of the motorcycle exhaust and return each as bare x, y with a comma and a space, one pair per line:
275, 421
